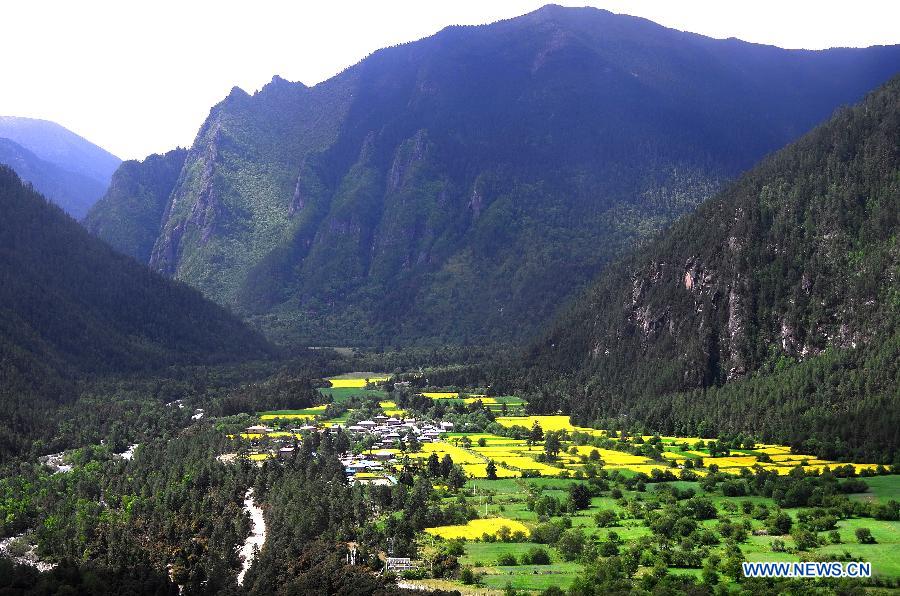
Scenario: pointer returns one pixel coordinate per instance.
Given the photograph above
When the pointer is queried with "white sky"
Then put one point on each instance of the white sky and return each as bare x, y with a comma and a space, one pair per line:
140, 77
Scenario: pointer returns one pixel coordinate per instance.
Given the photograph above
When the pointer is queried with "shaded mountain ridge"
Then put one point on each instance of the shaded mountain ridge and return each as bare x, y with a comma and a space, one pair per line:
77, 306
774, 308
130, 214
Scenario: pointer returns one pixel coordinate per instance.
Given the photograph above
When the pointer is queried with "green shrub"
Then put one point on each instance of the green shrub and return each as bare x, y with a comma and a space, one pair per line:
536, 555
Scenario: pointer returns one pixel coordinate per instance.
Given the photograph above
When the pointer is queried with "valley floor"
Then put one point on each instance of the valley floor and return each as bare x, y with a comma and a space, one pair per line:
521, 488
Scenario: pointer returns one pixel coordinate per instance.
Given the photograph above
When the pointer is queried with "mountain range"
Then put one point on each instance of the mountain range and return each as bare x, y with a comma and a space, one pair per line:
66, 168
462, 187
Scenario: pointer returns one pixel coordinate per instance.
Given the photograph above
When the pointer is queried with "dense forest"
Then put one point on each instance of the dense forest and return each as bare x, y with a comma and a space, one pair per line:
772, 309
462, 187
71, 299
114, 523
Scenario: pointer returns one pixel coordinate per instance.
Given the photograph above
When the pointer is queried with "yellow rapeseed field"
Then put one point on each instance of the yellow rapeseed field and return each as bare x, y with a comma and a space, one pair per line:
774, 450
308, 414
739, 461
477, 528
390, 409
645, 468
526, 463
789, 458
485, 400
493, 441
480, 471
613, 457
457, 454
440, 395
367, 475
355, 382
547, 422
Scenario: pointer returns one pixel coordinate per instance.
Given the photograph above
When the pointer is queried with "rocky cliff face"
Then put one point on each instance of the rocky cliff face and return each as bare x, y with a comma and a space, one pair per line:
462, 187
239, 188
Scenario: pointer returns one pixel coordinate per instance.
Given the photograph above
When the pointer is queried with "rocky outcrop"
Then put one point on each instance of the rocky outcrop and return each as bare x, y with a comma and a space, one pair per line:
297, 200
207, 209
203, 209
407, 155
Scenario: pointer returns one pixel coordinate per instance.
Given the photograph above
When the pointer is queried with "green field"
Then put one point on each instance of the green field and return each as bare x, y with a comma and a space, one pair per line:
483, 556
882, 488
340, 394
532, 577
509, 498
514, 404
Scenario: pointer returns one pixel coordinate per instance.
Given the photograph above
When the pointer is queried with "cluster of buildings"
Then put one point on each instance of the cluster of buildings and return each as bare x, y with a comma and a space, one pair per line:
370, 467
390, 430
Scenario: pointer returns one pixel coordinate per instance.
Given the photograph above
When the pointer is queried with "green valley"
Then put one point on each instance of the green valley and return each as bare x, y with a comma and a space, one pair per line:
614, 308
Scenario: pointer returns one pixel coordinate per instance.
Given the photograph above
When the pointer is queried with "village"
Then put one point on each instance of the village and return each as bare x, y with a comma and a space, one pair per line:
385, 436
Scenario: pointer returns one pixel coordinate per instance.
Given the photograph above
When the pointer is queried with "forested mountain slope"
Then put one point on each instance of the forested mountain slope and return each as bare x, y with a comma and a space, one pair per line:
774, 308
460, 188
70, 307
71, 298
73, 192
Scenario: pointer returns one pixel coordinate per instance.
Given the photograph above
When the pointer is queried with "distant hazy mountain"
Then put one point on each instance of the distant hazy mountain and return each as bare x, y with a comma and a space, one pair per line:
460, 188
58, 145
129, 216
67, 169
773, 309
73, 192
